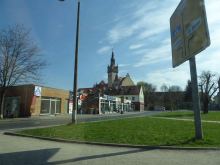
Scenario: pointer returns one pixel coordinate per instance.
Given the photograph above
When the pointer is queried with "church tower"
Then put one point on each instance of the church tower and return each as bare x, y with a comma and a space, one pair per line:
112, 71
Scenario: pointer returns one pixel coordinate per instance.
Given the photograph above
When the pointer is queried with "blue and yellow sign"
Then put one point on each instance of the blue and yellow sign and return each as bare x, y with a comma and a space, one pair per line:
189, 30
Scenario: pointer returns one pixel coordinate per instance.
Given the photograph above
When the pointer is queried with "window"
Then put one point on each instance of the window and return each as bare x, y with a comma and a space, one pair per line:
50, 105
45, 106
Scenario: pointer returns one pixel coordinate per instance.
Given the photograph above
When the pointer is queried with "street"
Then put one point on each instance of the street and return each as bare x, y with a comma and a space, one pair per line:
43, 121
28, 151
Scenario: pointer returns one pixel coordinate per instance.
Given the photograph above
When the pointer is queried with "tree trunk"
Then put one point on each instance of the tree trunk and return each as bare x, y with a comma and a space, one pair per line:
2, 98
205, 106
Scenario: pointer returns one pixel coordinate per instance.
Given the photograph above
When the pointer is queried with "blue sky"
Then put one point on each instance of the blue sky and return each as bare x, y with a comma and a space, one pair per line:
138, 31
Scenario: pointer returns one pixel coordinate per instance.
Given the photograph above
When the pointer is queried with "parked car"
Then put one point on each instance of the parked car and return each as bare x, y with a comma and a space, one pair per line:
159, 108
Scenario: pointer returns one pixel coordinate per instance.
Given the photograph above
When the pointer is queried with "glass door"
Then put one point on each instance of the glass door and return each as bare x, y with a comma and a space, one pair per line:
52, 107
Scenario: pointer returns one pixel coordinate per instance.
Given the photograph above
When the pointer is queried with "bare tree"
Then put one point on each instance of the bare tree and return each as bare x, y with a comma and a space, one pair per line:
208, 87
219, 84
175, 96
148, 90
164, 88
147, 87
218, 94
20, 59
163, 99
171, 96
175, 88
188, 92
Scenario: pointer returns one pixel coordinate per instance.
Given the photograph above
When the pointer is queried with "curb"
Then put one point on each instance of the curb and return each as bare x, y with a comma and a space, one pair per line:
114, 144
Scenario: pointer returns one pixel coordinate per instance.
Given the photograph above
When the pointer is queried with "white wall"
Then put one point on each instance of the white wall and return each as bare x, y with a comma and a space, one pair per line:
129, 97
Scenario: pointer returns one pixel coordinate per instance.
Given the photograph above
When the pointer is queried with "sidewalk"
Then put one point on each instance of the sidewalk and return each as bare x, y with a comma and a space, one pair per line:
170, 118
20, 150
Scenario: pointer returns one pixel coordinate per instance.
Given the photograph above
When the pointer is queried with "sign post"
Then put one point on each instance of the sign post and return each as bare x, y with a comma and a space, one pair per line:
196, 101
190, 36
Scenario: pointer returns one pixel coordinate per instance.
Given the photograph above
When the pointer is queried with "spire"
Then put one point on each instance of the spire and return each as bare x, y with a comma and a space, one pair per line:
112, 71
113, 59
112, 52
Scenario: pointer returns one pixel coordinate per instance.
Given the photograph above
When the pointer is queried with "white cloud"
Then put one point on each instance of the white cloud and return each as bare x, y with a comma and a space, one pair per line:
209, 61
141, 51
123, 65
135, 46
212, 8
151, 32
154, 55
149, 18
119, 32
123, 72
104, 50
169, 76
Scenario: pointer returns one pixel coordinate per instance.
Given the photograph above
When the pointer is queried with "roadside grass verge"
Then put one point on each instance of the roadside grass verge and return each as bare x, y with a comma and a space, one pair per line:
136, 131
211, 116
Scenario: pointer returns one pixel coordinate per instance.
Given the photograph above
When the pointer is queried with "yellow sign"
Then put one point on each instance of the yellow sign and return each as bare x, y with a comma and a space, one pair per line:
189, 30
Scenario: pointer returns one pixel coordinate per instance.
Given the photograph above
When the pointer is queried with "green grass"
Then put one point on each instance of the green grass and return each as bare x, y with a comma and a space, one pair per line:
139, 131
211, 116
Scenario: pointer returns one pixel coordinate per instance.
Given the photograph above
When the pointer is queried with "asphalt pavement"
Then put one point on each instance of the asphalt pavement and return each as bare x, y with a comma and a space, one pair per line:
28, 151
45, 121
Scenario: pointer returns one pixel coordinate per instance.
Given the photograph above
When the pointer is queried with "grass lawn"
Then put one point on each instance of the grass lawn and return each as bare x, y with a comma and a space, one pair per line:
211, 116
140, 131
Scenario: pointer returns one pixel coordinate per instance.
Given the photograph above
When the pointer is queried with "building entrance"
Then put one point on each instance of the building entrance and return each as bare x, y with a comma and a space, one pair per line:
50, 105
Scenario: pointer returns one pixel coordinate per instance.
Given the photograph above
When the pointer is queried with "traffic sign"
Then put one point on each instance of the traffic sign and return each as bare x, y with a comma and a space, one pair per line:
189, 30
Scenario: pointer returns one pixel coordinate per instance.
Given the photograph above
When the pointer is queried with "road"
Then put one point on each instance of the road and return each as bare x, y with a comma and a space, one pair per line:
43, 121
28, 151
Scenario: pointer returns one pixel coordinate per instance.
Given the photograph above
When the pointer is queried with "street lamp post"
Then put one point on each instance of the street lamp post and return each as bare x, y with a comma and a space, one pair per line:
75, 102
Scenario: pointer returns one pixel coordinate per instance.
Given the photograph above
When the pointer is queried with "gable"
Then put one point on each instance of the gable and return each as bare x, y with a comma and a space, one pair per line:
127, 81
141, 94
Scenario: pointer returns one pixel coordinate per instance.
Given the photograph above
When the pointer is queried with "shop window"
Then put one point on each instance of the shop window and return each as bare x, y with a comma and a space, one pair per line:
45, 106
50, 105
58, 106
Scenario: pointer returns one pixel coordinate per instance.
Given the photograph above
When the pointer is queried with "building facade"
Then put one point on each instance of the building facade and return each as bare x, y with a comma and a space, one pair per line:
34, 100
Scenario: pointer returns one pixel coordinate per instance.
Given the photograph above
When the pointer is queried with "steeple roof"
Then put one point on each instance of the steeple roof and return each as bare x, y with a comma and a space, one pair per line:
113, 59
113, 55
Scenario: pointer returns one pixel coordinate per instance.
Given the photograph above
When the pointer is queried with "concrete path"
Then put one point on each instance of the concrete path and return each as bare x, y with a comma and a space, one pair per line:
182, 119
27, 151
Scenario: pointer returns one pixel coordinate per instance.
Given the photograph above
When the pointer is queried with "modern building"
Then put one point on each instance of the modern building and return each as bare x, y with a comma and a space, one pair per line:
33, 100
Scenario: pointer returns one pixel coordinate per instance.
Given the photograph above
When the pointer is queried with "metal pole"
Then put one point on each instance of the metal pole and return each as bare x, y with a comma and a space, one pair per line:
196, 101
75, 102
